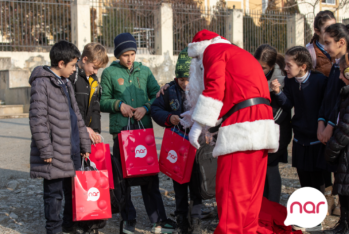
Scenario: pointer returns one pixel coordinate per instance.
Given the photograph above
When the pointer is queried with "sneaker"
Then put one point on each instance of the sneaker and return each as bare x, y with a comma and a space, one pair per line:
129, 227
196, 226
165, 226
70, 230
182, 225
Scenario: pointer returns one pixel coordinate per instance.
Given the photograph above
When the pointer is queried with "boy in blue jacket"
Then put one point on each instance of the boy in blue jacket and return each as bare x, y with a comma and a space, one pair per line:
165, 111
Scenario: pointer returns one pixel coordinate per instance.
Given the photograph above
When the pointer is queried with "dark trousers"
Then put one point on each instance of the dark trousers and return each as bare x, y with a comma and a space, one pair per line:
344, 201
181, 196
314, 179
151, 197
53, 195
272, 187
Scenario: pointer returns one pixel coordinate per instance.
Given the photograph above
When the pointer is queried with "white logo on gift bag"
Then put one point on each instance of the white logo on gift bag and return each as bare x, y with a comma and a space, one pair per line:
93, 194
141, 151
172, 156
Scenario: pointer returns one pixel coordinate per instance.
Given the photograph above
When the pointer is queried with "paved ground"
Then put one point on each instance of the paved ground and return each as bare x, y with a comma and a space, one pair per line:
21, 204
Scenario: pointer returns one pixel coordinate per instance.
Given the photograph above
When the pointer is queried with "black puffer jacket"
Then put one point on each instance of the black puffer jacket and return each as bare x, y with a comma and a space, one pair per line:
49, 120
87, 95
337, 149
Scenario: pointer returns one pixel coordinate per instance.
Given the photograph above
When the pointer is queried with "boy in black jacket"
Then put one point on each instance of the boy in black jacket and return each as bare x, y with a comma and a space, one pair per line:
165, 111
87, 88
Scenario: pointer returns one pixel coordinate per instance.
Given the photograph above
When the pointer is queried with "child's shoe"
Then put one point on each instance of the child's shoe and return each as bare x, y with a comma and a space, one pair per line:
182, 225
165, 226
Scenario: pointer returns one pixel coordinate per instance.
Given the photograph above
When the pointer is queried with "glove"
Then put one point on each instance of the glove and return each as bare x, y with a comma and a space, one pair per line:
194, 134
186, 120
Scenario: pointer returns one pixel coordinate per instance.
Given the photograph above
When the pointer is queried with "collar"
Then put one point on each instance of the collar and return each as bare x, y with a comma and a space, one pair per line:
322, 48
269, 74
304, 78
60, 80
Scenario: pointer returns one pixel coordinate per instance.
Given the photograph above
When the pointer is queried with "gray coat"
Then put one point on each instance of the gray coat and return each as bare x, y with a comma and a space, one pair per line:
49, 120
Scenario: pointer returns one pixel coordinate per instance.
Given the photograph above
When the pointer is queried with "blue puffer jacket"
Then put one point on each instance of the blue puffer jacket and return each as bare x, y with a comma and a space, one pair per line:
161, 111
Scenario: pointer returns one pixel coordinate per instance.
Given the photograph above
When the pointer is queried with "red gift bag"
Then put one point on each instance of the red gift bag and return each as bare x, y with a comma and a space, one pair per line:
177, 156
91, 198
100, 155
138, 153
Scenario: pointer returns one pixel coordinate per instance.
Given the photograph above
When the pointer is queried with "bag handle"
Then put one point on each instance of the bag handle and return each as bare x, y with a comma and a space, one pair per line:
141, 124
92, 164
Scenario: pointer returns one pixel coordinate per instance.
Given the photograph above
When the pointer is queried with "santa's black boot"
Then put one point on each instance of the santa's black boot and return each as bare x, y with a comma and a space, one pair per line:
341, 226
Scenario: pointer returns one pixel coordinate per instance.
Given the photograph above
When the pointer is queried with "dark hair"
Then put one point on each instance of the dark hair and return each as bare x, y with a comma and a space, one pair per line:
269, 55
301, 56
320, 20
339, 31
63, 51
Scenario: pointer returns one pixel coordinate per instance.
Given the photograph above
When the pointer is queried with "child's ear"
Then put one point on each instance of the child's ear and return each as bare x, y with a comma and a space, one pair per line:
61, 64
304, 67
342, 42
84, 59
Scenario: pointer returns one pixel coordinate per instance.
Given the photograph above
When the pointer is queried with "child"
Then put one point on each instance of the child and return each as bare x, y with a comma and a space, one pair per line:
322, 61
273, 64
304, 90
337, 151
129, 89
59, 134
87, 94
166, 111
86, 87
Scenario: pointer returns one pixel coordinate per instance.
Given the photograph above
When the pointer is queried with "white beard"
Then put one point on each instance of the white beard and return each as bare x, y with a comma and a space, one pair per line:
193, 91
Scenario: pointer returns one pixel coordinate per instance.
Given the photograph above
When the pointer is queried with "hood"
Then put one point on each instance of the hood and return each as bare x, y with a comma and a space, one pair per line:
279, 75
40, 72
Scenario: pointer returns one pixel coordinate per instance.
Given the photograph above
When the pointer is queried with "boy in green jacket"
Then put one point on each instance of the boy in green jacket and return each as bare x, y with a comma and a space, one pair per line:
128, 90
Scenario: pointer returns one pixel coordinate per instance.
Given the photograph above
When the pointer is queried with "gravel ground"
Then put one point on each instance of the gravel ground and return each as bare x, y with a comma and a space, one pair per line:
21, 198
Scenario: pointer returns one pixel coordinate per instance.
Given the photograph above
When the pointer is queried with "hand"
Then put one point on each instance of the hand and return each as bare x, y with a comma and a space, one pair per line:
327, 133
92, 134
126, 110
48, 160
186, 120
85, 155
275, 86
194, 134
162, 90
99, 139
175, 119
320, 129
139, 113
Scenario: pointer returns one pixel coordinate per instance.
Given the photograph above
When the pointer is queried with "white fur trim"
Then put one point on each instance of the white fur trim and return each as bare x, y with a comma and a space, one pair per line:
197, 48
257, 135
207, 111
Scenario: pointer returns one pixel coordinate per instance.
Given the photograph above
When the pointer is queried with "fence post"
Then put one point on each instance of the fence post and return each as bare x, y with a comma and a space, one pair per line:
80, 23
163, 19
295, 31
234, 27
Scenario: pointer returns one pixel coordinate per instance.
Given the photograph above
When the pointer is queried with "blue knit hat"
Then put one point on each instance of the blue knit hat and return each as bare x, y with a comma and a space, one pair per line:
124, 42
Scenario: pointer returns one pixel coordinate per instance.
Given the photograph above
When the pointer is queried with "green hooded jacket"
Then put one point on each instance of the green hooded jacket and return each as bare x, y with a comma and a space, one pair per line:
136, 89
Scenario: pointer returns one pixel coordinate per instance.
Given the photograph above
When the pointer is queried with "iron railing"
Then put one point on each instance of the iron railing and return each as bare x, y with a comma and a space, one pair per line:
190, 19
33, 25
112, 17
269, 27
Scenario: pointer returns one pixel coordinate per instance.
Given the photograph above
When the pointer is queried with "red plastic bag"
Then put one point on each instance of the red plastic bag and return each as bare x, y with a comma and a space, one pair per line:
91, 198
177, 156
100, 155
138, 153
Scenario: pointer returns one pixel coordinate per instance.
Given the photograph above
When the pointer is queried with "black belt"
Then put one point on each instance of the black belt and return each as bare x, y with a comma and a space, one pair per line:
239, 106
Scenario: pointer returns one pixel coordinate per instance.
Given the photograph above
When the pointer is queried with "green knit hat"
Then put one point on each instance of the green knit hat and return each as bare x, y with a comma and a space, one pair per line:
183, 64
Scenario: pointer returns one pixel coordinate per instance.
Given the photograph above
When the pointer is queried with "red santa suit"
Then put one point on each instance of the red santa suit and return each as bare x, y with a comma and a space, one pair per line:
230, 75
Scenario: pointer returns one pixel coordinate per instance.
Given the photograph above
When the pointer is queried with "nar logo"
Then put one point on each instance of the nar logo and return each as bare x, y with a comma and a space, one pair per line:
93, 194
141, 151
306, 207
172, 156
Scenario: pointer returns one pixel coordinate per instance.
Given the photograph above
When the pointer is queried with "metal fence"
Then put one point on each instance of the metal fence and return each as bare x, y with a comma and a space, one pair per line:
189, 19
112, 17
269, 27
33, 25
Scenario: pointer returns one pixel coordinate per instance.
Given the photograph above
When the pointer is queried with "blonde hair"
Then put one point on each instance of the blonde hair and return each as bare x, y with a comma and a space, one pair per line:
95, 53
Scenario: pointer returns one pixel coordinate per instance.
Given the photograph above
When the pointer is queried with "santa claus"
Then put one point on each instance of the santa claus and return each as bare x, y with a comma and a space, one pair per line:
228, 86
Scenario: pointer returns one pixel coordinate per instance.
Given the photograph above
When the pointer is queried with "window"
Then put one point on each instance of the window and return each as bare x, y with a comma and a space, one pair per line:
330, 2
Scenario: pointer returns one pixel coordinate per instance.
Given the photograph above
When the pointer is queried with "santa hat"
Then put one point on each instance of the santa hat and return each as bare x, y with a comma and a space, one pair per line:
202, 40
